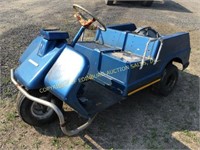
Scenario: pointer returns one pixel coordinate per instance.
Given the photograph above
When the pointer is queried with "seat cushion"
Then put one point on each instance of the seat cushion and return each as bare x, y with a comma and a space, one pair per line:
92, 45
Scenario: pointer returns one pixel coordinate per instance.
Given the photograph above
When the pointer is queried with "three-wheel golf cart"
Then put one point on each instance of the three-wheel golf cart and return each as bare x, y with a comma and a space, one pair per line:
122, 58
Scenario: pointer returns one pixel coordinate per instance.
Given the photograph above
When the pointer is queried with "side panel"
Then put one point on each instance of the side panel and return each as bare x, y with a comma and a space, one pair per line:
175, 46
33, 68
117, 69
63, 79
34, 46
138, 78
66, 72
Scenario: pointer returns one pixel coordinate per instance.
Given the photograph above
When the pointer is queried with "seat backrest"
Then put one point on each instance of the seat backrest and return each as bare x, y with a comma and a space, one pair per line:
123, 27
136, 44
111, 37
64, 75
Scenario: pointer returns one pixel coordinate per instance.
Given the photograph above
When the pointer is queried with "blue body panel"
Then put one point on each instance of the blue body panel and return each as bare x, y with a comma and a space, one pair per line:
54, 35
36, 62
111, 37
63, 79
34, 46
175, 46
113, 60
136, 44
123, 27
117, 38
64, 74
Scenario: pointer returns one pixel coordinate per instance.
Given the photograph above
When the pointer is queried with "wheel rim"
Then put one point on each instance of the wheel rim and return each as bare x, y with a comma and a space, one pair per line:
40, 111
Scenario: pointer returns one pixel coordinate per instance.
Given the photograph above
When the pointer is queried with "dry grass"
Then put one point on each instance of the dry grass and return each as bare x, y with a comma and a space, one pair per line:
143, 121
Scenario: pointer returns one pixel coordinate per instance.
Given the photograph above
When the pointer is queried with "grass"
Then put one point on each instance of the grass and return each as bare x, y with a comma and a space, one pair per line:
100, 132
191, 139
102, 127
37, 144
5, 80
87, 147
151, 140
6, 92
11, 116
56, 142
192, 136
134, 139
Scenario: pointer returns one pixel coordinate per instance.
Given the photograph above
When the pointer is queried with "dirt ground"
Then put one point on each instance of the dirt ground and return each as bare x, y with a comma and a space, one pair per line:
144, 120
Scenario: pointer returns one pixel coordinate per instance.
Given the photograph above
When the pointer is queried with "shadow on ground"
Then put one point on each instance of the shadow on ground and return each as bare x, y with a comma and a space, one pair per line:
144, 120
169, 5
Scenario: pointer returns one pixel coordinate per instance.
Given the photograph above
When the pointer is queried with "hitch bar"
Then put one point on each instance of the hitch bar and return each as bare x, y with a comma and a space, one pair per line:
52, 106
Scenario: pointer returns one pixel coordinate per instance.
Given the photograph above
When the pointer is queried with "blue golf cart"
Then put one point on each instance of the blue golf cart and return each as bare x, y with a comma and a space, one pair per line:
122, 58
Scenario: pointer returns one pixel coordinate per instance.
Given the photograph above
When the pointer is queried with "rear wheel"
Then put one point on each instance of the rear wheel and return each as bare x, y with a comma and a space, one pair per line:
146, 3
168, 81
34, 113
108, 2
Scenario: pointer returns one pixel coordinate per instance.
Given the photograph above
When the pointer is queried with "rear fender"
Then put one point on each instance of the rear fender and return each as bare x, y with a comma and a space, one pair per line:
176, 47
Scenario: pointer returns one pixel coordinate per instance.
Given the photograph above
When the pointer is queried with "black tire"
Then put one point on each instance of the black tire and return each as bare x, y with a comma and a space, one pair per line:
168, 81
147, 3
29, 112
109, 2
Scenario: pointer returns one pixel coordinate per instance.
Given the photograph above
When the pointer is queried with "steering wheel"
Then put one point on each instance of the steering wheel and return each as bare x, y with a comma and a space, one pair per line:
147, 31
86, 18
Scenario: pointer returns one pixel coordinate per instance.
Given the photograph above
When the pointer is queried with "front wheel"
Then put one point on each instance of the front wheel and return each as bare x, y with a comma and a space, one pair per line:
34, 113
168, 81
